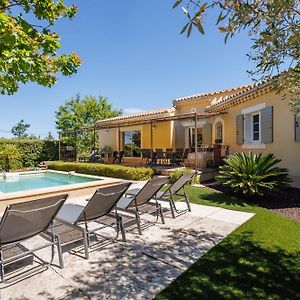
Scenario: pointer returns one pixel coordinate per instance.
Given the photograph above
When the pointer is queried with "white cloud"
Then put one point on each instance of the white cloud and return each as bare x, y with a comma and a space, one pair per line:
132, 110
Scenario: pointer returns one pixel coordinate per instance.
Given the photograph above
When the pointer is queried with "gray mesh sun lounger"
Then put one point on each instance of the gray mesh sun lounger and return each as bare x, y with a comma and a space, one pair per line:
25, 220
100, 209
139, 203
172, 193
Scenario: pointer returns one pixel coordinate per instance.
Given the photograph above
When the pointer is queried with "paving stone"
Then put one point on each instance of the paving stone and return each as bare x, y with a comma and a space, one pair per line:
137, 269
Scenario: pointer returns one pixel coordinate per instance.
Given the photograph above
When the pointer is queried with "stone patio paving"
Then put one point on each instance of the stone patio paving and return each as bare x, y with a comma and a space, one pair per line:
137, 269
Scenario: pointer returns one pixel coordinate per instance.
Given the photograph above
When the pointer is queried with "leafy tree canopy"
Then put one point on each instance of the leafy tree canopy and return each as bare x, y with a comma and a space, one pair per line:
272, 25
77, 113
20, 129
50, 137
28, 47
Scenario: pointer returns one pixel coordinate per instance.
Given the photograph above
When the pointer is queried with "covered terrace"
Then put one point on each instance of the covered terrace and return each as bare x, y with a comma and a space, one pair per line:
198, 155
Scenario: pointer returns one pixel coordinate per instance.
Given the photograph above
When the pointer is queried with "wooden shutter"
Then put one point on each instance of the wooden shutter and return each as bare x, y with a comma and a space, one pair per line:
267, 125
240, 129
179, 136
206, 134
297, 128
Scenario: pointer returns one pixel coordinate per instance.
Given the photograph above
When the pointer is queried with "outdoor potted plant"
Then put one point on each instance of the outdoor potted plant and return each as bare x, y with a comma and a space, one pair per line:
107, 150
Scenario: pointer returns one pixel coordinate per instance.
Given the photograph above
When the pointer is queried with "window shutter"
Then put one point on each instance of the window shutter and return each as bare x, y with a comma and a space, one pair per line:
179, 136
207, 134
297, 128
267, 125
240, 129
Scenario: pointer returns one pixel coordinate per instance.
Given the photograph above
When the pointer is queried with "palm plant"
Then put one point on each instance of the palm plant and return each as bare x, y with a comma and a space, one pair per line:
252, 174
11, 157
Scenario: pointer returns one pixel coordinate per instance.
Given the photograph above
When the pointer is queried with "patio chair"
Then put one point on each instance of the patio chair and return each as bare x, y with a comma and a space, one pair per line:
172, 192
178, 155
146, 155
22, 221
169, 156
99, 209
160, 156
139, 203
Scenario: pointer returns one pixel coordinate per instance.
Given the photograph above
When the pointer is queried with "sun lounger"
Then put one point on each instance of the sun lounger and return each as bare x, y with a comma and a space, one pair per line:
172, 193
22, 221
139, 203
100, 209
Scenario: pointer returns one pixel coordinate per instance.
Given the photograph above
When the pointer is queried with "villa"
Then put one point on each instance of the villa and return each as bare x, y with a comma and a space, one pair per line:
246, 118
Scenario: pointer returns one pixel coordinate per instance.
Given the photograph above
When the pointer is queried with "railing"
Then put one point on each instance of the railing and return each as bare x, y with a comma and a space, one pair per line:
210, 156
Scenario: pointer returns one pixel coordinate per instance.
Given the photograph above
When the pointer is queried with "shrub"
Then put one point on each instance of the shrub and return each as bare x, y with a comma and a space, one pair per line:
176, 174
33, 150
10, 157
252, 174
116, 171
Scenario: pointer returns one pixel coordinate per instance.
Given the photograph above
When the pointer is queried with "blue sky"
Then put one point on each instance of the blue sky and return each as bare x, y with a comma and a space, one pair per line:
133, 54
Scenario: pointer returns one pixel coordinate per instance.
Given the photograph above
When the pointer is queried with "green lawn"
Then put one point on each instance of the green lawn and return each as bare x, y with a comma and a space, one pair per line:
259, 260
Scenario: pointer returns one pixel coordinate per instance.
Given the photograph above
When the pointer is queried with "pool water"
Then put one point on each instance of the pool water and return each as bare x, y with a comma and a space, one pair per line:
37, 181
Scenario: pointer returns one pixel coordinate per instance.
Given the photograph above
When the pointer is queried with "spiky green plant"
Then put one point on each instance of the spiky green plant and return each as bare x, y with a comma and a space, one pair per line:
11, 157
252, 174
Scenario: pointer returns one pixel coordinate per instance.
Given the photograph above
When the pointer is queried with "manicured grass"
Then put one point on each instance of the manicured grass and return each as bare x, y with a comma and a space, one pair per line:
259, 260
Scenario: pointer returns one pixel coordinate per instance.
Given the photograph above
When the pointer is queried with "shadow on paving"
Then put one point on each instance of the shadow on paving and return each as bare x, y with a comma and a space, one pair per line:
138, 269
239, 268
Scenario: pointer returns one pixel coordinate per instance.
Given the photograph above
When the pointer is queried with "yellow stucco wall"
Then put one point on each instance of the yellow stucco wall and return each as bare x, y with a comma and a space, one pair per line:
162, 135
108, 137
284, 145
187, 107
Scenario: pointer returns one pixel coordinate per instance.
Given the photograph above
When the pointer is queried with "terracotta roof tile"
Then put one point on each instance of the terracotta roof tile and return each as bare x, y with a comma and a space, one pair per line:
214, 93
138, 115
230, 98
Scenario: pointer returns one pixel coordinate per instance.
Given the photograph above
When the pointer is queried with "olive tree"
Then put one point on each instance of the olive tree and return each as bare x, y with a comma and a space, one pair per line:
272, 25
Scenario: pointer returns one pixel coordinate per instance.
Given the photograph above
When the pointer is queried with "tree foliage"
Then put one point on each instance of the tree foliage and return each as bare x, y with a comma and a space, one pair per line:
20, 129
28, 47
11, 157
272, 25
78, 113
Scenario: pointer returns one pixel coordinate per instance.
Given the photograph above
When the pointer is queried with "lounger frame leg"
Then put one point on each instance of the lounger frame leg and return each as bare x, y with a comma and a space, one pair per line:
161, 213
59, 252
171, 201
121, 228
187, 200
1, 265
138, 221
86, 243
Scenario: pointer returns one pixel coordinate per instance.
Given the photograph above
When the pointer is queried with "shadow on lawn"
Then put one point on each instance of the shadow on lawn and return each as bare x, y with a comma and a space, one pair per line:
239, 268
216, 197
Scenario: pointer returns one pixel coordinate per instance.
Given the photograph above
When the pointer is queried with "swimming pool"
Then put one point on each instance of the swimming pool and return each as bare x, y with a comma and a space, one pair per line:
34, 185
41, 180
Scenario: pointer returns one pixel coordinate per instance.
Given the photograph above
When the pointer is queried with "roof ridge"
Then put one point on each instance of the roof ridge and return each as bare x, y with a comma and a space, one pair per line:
250, 88
139, 114
202, 95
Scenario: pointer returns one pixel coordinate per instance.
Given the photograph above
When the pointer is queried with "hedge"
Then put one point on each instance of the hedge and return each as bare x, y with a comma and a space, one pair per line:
34, 151
176, 174
116, 171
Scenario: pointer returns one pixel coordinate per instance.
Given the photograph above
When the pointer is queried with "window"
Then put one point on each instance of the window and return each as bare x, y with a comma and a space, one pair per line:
219, 133
132, 143
252, 128
256, 127
192, 137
